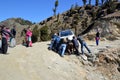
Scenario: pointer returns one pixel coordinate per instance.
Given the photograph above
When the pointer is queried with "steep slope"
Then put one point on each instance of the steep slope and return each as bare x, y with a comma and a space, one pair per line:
87, 20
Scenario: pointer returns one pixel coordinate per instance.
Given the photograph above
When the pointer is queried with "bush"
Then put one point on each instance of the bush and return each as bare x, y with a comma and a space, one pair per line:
44, 33
35, 34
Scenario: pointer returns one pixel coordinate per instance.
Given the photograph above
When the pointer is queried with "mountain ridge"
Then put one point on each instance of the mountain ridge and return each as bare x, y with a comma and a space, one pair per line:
83, 20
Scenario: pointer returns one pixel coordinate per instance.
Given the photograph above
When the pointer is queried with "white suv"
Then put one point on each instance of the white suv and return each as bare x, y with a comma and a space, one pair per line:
66, 34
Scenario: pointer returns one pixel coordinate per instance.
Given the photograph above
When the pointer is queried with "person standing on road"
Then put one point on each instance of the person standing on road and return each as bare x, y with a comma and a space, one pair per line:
13, 31
28, 37
97, 38
4, 35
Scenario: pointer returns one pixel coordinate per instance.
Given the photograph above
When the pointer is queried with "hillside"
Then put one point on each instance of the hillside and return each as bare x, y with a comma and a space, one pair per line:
86, 19
83, 20
20, 25
38, 63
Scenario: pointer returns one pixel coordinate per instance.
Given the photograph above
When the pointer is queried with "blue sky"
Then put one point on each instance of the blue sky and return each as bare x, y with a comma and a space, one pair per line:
33, 10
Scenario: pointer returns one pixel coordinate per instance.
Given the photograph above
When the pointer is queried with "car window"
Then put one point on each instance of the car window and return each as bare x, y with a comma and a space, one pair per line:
66, 33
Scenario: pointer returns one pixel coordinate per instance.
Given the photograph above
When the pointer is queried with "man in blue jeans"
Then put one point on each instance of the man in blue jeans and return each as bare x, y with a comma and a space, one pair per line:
62, 48
83, 44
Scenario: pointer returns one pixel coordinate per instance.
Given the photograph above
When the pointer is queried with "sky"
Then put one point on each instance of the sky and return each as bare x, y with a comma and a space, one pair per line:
33, 10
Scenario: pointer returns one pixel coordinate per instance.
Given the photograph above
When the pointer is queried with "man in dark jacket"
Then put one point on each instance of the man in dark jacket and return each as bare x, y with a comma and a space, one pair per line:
83, 44
75, 45
13, 31
97, 38
4, 34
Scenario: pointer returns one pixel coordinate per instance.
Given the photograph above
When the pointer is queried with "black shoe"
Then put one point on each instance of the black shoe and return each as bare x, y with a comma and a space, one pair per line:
61, 55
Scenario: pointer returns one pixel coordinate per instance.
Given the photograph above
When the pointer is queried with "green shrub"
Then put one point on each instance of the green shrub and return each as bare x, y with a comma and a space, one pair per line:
35, 34
111, 9
44, 33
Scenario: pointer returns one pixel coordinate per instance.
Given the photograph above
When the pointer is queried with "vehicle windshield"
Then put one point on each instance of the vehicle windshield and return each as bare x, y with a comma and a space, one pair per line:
66, 33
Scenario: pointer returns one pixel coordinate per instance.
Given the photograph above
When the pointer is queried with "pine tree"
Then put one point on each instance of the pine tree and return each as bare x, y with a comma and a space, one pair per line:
56, 5
97, 2
89, 2
102, 1
84, 2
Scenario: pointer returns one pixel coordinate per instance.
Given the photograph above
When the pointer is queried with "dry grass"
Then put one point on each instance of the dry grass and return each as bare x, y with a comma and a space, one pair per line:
111, 38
